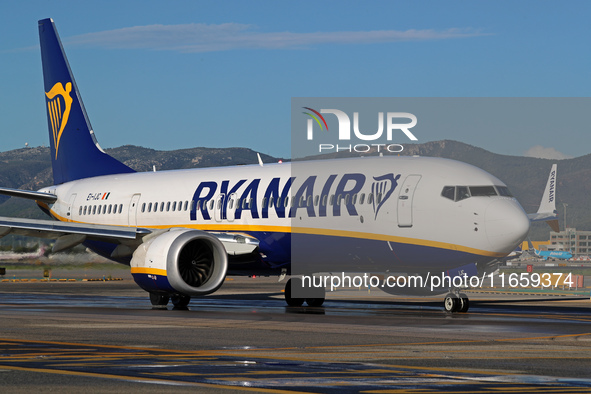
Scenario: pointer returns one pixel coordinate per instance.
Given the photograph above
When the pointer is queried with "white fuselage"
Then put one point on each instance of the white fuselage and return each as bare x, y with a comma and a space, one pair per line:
348, 207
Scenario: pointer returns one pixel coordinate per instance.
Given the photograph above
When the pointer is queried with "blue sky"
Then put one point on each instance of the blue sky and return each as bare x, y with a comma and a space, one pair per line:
179, 74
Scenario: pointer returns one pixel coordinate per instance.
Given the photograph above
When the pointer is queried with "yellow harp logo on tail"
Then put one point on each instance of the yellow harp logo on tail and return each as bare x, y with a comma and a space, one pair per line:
59, 104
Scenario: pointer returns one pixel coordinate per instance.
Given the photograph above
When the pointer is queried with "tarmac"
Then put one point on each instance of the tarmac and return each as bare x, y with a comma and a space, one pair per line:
103, 336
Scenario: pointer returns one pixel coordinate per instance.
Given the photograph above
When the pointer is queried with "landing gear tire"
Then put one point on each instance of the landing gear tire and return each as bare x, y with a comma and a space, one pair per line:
464, 303
316, 302
451, 303
159, 301
288, 298
180, 301
316, 296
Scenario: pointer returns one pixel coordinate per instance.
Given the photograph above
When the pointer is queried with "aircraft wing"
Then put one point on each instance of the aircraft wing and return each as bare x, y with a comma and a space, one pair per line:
28, 194
68, 235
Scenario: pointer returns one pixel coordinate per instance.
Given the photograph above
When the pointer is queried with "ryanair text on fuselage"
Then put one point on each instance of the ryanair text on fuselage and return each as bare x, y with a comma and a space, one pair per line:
277, 193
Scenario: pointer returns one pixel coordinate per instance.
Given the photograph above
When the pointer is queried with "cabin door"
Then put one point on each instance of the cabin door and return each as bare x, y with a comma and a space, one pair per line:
405, 198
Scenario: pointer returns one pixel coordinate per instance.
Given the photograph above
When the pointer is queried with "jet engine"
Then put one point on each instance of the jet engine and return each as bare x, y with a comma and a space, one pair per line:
180, 261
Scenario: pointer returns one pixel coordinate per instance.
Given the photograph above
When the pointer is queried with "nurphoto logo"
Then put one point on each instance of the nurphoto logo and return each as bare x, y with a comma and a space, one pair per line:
394, 123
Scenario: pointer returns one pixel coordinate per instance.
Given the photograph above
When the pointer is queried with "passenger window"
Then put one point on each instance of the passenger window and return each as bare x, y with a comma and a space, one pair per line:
331, 199
264, 202
347, 198
149, 208
84, 210
302, 203
110, 207
316, 200
354, 199
339, 200
309, 201
143, 207
449, 192
120, 208
270, 201
174, 206
370, 198
211, 205
231, 205
286, 202
168, 206
186, 203
94, 210
379, 198
80, 213
324, 198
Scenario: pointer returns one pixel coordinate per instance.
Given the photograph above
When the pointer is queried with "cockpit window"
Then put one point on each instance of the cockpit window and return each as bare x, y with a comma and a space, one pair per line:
482, 191
449, 192
459, 193
504, 191
462, 193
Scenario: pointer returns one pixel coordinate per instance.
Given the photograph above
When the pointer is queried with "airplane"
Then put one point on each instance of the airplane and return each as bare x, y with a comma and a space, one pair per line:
550, 254
5, 255
181, 232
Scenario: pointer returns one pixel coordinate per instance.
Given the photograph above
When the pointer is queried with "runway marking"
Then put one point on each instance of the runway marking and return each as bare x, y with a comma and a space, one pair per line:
250, 370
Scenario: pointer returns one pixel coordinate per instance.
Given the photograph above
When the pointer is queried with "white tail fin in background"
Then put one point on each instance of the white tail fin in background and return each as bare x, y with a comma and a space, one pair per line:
547, 211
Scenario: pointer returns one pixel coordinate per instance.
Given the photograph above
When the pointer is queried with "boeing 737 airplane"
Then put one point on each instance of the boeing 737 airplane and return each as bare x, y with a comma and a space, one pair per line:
549, 254
181, 232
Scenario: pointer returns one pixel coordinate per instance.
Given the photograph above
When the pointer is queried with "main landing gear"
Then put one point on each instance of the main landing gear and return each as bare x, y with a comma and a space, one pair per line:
315, 295
456, 302
160, 301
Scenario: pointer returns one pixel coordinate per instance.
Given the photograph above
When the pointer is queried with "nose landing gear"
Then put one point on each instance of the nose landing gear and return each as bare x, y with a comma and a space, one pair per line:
315, 295
456, 302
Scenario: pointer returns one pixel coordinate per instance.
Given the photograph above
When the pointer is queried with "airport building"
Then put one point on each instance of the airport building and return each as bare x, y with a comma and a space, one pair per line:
571, 240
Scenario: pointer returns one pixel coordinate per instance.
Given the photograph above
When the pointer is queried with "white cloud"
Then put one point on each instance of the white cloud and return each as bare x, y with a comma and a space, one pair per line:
228, 36
545, 153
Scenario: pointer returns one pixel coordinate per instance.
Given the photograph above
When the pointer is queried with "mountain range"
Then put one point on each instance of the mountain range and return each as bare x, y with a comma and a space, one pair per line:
30, 168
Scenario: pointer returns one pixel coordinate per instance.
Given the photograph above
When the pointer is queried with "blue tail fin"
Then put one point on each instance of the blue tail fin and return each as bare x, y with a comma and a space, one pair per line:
75, 153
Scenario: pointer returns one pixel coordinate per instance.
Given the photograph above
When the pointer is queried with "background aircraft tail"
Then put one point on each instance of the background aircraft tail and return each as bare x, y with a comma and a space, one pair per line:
547, 211
75, 153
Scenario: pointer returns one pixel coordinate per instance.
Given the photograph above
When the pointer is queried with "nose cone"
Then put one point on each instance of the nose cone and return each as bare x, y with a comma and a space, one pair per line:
507, 225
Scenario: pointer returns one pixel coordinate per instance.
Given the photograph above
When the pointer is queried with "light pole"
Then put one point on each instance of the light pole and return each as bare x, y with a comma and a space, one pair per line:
565, 205
566, 236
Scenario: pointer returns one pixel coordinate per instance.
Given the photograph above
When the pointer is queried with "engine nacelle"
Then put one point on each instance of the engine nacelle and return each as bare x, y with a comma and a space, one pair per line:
190, 262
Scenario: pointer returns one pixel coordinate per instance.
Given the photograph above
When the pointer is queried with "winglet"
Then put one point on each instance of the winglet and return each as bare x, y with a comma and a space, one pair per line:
547, 211
260, 160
